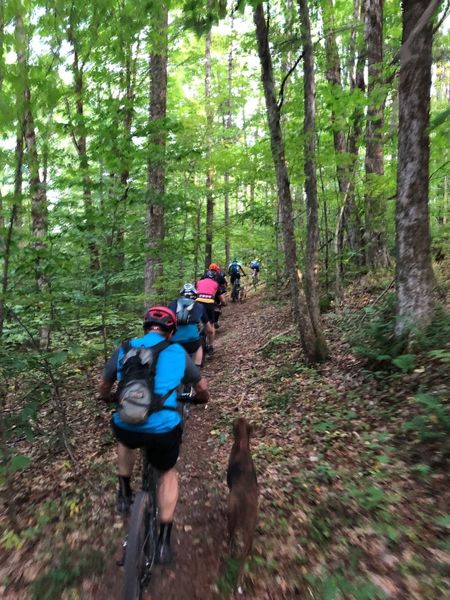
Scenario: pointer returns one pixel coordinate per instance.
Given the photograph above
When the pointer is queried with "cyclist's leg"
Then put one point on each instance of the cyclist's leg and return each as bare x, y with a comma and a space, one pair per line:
163, 456
168, 494
198, 356
210, 331
126, 457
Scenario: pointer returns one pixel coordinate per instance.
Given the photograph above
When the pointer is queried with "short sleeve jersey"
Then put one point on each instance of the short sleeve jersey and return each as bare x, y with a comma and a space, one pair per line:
190, 332
173, 368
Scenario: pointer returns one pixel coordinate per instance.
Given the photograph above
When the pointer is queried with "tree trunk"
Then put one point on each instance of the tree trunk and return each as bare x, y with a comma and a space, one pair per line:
228, 125
209, 174
39, 209
312, 227
156, 160
130, 73
348, 217
80, 142
375, 203
302, 319
414, 276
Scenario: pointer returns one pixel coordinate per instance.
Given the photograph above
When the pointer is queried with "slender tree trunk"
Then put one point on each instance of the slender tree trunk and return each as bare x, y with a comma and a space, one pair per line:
308, 338
345, 168
209, 174
13, 218
198, 224
375, 203
312, 227
80, 142
414, 276
156, 161
39, 209
352, 217
228, 125
130, 71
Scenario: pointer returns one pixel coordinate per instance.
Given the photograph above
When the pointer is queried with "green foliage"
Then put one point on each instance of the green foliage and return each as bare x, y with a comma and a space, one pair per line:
278, 342
340, 584
432, 423
373, 337
72, 566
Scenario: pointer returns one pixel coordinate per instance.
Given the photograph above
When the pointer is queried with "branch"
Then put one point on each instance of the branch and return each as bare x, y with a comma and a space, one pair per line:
404, 54
444, 16
438, 169
261, 348
283, 83
383, 293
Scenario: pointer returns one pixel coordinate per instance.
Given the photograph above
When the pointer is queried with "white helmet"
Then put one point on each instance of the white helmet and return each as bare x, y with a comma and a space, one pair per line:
188, 291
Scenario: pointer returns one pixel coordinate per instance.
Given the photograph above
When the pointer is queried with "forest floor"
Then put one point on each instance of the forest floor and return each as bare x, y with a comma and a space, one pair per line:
353, 504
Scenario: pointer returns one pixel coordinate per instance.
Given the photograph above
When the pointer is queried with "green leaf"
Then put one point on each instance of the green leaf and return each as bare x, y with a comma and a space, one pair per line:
405, 362
57, 358
443, 521
19, 462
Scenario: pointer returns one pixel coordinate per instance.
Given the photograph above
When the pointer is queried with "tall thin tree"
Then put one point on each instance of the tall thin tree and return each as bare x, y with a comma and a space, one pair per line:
312, 227
308, 338
375, 202
209, 167
39, 208
156, 171
414, 275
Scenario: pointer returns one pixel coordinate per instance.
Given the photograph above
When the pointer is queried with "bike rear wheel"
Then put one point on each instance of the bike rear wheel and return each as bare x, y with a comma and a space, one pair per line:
140, 548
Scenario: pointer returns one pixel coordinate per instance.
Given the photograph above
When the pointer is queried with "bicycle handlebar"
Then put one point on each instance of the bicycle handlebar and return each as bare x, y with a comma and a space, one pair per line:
188, 398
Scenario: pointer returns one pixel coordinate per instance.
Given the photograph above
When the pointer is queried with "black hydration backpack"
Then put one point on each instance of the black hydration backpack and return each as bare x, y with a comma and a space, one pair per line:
184, 310
137, 399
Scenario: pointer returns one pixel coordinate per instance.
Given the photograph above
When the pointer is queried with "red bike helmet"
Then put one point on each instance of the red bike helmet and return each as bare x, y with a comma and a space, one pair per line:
214, 267
161, 316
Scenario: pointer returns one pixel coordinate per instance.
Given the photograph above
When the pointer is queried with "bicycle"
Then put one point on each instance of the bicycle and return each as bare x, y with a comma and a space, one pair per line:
255, 278
139, 546
235, 289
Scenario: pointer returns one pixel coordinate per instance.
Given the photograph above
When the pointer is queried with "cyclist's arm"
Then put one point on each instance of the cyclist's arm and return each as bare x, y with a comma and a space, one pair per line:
109, 377
193, 376
243, 272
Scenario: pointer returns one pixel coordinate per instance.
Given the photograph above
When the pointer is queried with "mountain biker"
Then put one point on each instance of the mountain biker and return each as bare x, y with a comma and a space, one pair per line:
235, 269
219, 299
207, 287
190, 318
161, 432
255, 266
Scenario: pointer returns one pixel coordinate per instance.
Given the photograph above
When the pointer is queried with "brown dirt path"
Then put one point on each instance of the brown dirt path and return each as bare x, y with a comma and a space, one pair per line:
200, 524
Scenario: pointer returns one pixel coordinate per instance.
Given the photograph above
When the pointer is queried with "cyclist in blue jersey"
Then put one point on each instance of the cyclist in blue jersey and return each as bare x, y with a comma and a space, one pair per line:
161, 432
192, 317
234, 270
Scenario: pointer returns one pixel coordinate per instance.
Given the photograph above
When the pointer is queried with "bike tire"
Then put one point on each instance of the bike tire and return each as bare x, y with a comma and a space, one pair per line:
140, 549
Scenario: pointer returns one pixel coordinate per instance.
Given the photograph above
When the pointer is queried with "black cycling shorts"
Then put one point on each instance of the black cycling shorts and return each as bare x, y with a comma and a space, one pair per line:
162, 448
209, 311
191, 347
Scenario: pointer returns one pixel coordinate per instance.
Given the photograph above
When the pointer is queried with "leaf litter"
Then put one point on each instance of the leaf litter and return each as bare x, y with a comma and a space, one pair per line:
345, 512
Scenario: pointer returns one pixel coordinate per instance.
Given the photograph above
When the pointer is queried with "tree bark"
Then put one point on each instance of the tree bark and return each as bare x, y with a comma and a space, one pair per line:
302, 319
209, 174
375, 203
414, 275
346, 150
312, 227
39, 209
80, 142
228, 125
157, 147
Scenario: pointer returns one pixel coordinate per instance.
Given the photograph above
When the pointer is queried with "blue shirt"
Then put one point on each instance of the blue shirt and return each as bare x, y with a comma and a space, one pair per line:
191, 331
171, 368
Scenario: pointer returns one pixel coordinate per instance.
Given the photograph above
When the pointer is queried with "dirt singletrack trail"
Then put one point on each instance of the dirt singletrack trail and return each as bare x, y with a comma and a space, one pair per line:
199, 535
